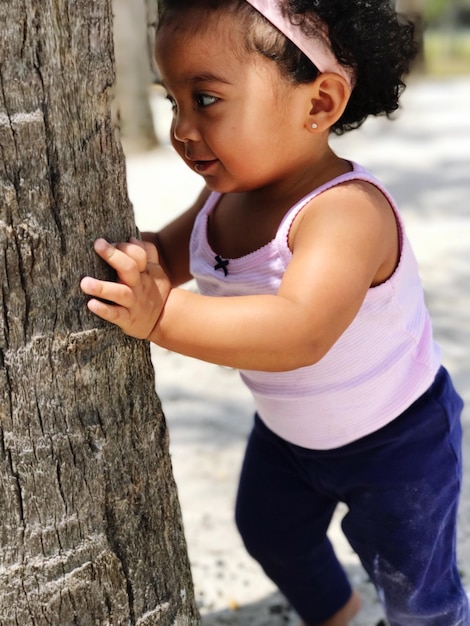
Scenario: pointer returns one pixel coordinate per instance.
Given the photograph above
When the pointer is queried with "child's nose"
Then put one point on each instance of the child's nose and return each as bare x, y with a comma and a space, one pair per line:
184, 128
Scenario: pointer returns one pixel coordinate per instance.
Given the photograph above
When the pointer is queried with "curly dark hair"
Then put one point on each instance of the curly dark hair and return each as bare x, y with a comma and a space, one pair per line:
365, 35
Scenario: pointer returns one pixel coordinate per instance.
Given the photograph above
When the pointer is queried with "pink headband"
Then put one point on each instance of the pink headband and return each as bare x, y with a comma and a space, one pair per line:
317, 49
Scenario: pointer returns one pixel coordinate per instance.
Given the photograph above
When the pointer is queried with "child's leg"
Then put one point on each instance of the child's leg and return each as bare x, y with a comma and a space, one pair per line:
402, 518
345, 614
283, 521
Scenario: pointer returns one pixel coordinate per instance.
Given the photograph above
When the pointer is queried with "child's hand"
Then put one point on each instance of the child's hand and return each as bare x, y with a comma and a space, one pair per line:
137, 299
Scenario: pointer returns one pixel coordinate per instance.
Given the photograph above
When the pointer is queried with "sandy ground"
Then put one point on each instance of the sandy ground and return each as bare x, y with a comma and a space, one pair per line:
424, 158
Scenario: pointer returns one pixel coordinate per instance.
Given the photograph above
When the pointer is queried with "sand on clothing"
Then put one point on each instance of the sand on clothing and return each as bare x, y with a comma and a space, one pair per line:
424, 158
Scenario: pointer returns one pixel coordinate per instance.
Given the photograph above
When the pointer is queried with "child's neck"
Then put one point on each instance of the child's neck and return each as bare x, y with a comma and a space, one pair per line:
243, 222
288, 191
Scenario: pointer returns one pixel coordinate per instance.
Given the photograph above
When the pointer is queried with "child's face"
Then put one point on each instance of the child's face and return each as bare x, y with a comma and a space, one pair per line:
236, 121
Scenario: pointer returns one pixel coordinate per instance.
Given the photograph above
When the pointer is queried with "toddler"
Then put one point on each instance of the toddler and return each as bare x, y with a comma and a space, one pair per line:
308, 285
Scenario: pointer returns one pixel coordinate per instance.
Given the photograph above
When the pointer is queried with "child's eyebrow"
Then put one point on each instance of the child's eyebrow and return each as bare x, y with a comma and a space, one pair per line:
206, 77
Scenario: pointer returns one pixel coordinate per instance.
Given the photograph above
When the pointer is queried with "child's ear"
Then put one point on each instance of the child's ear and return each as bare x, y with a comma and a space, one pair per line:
329, 96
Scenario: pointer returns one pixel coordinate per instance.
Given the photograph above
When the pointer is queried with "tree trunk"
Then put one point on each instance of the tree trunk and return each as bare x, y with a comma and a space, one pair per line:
90, 529
134, 76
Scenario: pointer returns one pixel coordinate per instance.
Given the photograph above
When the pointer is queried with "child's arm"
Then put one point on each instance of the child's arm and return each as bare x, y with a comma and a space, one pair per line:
344, 242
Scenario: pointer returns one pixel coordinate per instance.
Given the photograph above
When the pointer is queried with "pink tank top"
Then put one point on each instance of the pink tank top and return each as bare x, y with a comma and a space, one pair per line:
381, 364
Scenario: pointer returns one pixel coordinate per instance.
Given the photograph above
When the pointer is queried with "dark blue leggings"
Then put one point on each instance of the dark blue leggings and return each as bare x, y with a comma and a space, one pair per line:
401, 485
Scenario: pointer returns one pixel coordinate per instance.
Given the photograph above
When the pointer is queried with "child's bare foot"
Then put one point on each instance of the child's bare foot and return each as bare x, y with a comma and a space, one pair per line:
344, 615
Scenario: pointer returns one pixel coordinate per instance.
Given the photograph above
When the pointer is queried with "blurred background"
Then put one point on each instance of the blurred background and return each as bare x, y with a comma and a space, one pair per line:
445, 27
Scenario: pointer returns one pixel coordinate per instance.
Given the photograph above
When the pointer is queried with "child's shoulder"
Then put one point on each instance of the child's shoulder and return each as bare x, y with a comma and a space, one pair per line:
354, 197
355, 201
351, 191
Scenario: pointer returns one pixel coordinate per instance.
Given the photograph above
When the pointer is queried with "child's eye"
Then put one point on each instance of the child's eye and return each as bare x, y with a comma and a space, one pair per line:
204, 100
172, 101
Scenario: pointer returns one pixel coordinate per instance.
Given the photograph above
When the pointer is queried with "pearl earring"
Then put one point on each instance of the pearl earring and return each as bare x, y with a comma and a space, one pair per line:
314, 125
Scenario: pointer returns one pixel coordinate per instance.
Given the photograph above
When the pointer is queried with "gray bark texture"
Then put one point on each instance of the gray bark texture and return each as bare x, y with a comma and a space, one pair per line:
90, 526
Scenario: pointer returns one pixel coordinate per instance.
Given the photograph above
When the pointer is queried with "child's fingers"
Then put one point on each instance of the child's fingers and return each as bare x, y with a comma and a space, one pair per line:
110, 313
150, 249
116, 293
136, 252
128, 267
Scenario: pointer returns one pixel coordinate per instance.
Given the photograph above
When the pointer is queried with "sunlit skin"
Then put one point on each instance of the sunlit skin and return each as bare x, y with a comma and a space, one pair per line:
248, 133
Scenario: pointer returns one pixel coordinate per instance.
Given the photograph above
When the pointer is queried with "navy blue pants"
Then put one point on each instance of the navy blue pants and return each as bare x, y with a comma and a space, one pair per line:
401, 485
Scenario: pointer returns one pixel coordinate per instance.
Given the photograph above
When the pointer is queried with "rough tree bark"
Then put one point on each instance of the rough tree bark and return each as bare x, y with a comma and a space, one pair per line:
90, 527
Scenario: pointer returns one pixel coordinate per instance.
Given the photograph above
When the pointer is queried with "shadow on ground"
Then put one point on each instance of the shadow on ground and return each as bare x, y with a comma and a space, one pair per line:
274, 610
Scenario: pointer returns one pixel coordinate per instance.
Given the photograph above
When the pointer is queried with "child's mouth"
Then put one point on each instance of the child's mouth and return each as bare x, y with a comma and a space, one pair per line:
203, 166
